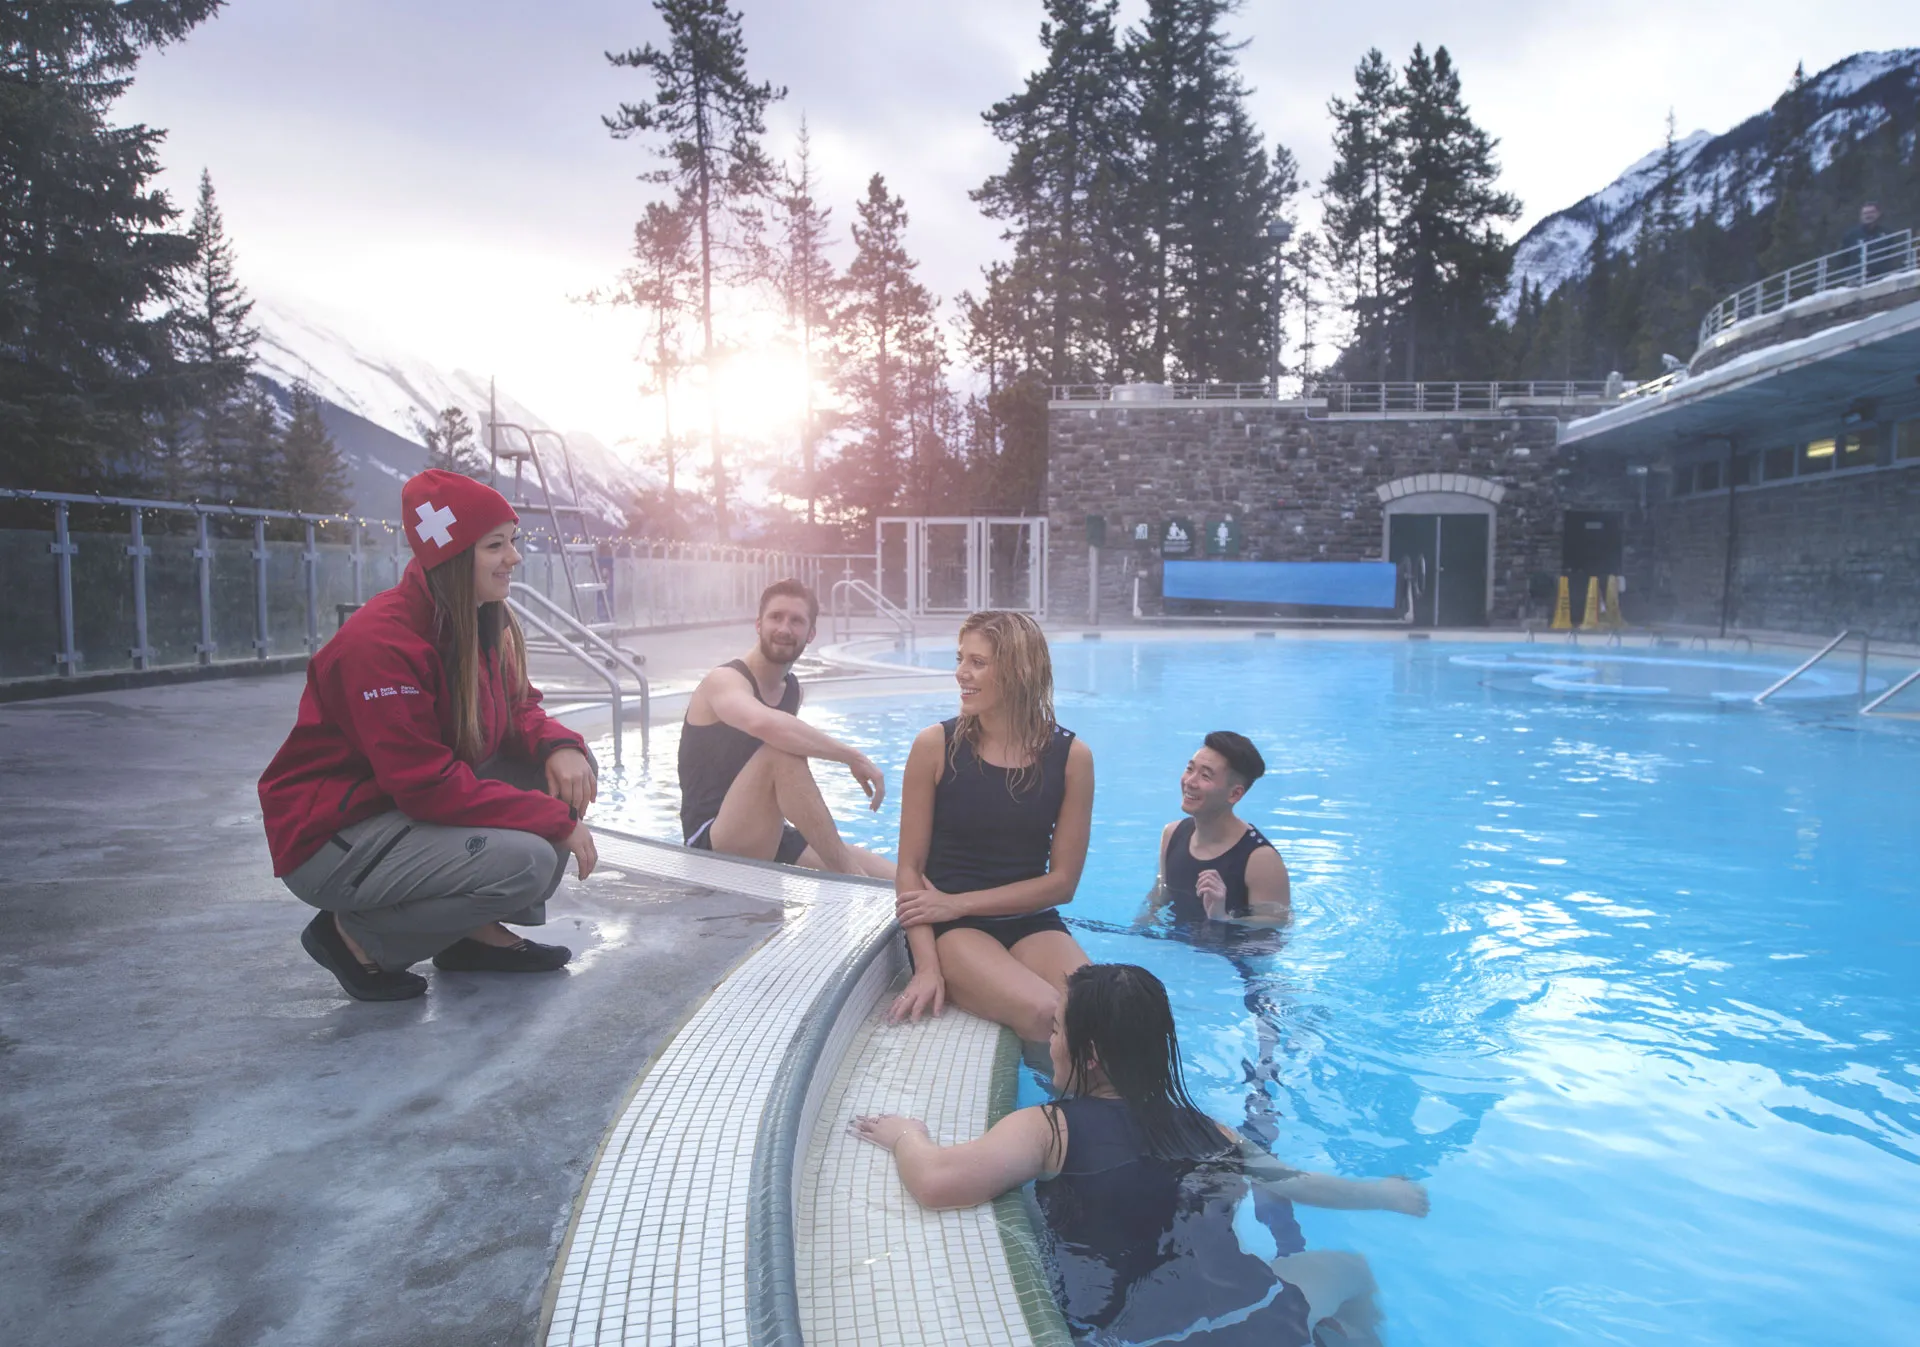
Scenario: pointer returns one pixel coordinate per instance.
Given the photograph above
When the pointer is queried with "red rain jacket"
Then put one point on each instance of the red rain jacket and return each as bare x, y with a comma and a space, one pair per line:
375, 732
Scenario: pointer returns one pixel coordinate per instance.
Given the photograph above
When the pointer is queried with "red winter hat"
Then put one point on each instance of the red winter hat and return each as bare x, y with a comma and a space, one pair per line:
445, 513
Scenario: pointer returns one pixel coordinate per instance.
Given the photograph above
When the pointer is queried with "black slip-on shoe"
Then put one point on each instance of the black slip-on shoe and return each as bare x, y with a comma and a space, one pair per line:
363, 982
471, 956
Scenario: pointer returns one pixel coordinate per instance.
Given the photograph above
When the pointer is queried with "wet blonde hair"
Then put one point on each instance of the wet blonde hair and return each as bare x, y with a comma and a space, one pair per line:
1023, 672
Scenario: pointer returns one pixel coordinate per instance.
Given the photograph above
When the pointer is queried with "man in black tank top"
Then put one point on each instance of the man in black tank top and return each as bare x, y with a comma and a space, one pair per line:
1228, 891
745, 785
1214, 866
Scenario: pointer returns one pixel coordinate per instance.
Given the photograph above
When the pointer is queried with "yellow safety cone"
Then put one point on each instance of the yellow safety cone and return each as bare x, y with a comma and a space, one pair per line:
1562, 609
1614, 620
1590, 619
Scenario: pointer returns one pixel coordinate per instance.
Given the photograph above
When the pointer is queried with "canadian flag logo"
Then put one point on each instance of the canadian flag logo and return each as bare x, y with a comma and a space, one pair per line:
436, 524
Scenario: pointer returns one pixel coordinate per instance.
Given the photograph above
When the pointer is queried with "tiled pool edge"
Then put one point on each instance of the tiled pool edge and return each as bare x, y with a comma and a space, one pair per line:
773, 1298
1014, 1216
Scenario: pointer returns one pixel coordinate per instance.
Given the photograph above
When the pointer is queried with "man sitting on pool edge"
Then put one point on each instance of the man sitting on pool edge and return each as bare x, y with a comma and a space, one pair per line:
1215, 866
745, 785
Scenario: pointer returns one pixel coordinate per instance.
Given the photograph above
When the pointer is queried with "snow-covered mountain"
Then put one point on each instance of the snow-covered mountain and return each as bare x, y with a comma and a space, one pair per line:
1846, 101
380, 400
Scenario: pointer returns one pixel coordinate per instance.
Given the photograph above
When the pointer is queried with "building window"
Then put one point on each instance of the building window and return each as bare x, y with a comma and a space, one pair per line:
1860, 448
1743, 470
1906, 440
1778, 465
1683, 480
1706, 476
1817, 457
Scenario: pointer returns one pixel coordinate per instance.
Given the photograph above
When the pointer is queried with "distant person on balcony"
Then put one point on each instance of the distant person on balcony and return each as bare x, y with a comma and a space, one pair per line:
996, 808
423, 796
745, 785
1861, 239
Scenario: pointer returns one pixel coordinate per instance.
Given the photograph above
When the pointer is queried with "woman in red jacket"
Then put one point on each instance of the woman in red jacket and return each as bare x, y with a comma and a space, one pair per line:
423, 796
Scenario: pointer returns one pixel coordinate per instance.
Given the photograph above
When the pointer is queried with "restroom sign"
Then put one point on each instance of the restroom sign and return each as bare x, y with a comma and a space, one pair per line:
1223, 538
1176, 538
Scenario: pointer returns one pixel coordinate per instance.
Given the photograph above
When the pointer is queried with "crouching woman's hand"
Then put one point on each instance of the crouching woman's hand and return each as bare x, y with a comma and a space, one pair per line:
580, 843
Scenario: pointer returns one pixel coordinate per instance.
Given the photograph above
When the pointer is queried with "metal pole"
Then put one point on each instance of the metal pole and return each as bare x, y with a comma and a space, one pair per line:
142, 652
260, 588
1093, 587
359, 527
63, 550
203, 563
1864, 641
312, 558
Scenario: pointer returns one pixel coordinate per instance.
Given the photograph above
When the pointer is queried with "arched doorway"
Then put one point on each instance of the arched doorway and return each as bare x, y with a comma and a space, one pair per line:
1439, 528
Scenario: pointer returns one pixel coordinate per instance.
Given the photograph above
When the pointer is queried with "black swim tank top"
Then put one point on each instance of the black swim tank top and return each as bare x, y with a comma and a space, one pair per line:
1182, 872
711, 756
984, 833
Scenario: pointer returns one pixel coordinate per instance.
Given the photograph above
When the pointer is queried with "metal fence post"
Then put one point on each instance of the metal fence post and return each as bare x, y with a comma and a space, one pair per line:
63, 549
260, 588
312, 557
142, 652
203, 563
359, 527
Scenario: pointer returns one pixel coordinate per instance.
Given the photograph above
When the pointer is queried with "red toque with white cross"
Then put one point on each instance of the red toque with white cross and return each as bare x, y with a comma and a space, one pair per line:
445, 513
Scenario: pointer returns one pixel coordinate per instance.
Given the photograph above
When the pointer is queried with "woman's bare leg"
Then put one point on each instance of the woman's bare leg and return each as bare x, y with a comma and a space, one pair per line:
984, 979
1052, 955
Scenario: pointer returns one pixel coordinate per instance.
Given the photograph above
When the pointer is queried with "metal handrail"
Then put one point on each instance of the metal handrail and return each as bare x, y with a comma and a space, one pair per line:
1819, 655
607, 649
1888, 255
882, 607
1458, 395
1873, 707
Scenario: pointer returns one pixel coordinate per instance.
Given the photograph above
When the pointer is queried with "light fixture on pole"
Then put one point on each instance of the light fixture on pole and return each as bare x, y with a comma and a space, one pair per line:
1278, 231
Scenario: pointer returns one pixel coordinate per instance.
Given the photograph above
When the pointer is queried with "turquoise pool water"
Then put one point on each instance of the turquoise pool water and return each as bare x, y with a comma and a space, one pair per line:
1631, 983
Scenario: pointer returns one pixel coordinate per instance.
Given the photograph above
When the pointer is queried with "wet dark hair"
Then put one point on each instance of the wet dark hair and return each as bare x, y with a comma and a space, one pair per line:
791, 589
1117, 1014
1243, 759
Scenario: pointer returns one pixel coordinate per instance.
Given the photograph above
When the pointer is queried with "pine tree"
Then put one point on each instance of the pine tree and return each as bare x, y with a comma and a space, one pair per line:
1450, 263
84, 247
1067, 134
451, 446
214, 340
1790, 174
1202, 193
803, 276
1356, 202
885, 320
312, 478
663, 283
712, 117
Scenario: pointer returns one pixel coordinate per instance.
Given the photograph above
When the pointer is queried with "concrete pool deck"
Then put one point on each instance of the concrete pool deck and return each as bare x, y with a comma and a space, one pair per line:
205, 1141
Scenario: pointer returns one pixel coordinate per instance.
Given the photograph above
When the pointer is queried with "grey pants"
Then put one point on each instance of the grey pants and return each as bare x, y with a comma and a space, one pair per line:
406, 890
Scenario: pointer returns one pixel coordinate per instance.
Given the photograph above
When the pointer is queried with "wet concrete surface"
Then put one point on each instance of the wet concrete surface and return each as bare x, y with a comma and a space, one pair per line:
203, 1140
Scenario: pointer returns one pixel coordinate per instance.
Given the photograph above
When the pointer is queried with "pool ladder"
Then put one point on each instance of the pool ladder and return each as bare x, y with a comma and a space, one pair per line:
1867, 708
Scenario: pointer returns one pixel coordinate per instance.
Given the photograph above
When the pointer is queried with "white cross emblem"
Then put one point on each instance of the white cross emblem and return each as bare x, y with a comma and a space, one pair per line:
435, 523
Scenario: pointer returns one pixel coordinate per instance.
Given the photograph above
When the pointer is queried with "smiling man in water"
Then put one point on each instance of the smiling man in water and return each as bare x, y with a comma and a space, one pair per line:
745, 785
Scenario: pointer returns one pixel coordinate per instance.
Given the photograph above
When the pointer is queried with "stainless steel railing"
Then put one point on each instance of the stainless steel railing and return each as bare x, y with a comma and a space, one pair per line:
1888, 255
593, 652
840, 608
1819, 655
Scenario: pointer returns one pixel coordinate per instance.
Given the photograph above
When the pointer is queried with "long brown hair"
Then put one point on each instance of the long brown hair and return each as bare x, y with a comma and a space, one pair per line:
1023, 672
468, 632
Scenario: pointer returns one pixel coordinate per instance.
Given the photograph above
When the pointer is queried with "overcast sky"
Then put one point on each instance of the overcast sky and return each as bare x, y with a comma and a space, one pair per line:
432, 175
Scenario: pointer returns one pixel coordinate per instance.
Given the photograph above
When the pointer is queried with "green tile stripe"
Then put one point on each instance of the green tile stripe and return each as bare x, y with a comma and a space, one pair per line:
1014, 1218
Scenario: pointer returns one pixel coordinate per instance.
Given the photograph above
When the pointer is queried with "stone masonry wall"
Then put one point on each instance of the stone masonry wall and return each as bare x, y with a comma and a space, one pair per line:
1303, 489
1813, 556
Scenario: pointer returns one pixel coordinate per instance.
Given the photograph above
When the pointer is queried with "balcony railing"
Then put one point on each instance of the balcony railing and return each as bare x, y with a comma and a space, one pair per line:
1429, 398
1886, 256
1161, 392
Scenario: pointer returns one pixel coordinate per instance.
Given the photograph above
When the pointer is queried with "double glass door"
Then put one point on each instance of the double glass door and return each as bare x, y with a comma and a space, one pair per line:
963, 563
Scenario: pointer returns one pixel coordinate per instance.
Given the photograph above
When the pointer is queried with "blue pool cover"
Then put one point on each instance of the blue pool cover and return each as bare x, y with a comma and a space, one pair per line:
1320, 584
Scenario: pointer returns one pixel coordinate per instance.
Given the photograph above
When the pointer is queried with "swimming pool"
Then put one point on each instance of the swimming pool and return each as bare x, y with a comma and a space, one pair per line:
1630, 983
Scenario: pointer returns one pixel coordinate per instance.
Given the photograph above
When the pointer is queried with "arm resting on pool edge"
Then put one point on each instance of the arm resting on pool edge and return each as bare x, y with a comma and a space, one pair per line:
1017, 1149
1066, 860
1325, 1190
926, 991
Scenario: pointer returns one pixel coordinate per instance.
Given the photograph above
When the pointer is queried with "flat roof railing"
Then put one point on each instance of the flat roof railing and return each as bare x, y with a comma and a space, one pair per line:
1147, 392
1458, 395
1888, 255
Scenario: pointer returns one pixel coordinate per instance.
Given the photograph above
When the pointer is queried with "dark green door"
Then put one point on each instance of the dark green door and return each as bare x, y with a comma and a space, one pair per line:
1413, 544
1462, 597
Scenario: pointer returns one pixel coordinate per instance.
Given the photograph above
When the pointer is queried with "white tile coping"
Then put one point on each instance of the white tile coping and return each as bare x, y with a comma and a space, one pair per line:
685, 1228
871, 1266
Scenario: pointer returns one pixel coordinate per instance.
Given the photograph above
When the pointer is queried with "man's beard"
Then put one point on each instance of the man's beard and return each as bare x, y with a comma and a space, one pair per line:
775, 655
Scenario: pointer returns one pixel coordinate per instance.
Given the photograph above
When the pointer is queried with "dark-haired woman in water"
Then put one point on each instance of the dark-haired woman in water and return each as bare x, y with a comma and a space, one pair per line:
996, 806
1138, 1188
